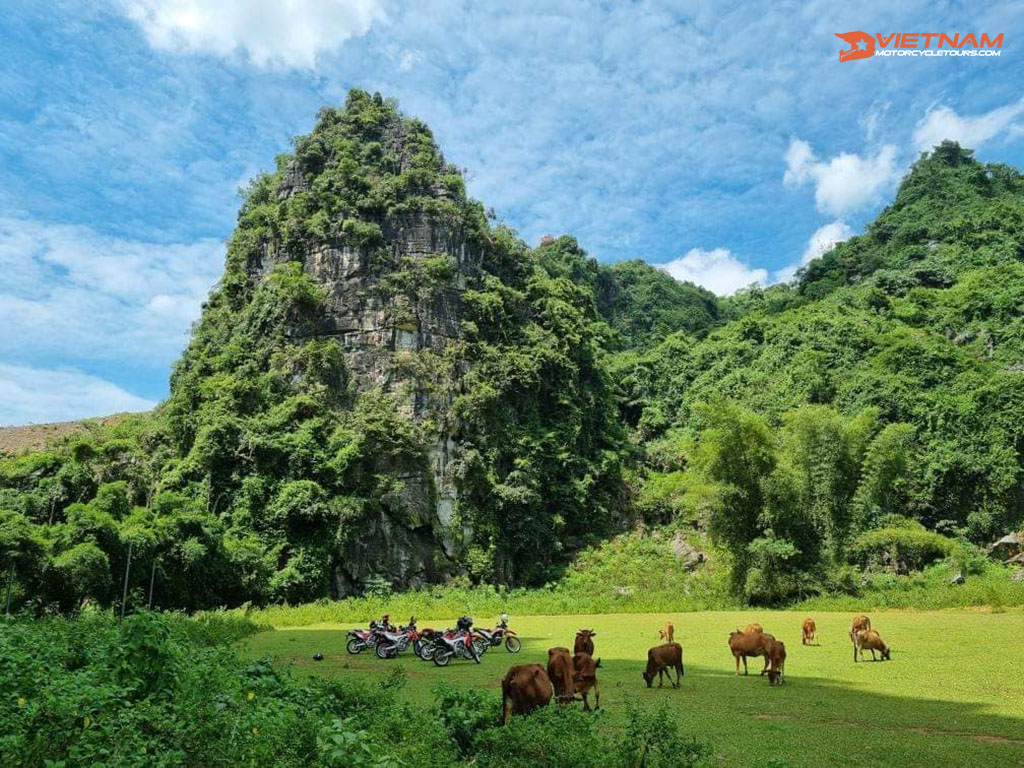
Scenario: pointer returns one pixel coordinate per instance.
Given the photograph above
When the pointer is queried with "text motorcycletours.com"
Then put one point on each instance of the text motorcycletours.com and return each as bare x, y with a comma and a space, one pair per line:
865, 46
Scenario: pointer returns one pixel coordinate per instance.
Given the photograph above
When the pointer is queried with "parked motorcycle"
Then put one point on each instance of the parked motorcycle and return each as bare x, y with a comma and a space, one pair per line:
390, 644
501, 633
457, 644
360, 640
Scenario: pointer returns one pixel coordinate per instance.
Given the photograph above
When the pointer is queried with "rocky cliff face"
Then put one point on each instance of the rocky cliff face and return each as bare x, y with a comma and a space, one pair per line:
385, 385
382, 334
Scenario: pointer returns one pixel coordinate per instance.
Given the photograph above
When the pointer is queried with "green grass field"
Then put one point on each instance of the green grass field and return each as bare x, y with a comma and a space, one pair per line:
953, 694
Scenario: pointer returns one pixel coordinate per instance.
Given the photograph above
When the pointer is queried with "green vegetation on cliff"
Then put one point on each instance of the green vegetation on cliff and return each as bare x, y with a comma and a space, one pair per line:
387, 390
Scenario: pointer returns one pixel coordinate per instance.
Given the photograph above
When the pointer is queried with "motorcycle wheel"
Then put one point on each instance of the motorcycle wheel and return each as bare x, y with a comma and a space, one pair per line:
441, 658
512, 644
417, 648
481, 646
354, 646
383, 651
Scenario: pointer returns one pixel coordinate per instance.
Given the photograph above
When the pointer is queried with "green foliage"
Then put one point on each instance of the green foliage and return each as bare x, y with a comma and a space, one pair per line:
902, 548
645, 304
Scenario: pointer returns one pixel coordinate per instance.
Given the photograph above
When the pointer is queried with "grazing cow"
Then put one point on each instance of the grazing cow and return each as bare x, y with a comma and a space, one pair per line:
527, 687
560, 672
860, 623
744, 644
810, 631
661, 659
753, 628
776, 662
585, 678
584, 641
869, 639
668, 634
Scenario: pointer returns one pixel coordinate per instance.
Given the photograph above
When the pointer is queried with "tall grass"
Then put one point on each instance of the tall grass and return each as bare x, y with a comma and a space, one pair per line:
637, 573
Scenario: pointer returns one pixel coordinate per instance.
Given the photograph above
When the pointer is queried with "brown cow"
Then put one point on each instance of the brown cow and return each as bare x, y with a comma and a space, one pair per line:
753, 628
584, 641
560, 672
810, 631
872, 641
744, 644
662, 659
585, 679
527, 687
668, 634
860, 623
776, 662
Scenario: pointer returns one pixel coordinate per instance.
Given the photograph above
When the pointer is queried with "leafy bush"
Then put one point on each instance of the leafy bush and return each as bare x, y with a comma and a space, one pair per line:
909, 547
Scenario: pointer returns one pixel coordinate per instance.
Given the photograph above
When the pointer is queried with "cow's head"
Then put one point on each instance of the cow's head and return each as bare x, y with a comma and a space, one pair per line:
648, 677
885, 654
774, 678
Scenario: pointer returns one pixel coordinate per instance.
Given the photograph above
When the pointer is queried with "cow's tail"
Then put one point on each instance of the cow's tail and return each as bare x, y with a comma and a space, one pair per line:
598, 664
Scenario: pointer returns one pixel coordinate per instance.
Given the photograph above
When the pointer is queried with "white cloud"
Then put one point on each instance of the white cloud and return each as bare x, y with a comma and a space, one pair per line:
944, 123
272, 33
846, 183
821, 242
36, 395
718, 270
70, 293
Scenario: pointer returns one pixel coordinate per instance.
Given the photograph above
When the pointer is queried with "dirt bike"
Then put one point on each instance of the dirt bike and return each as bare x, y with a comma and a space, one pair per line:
360, 640
390, 644
426, 643
499, 634
462, 644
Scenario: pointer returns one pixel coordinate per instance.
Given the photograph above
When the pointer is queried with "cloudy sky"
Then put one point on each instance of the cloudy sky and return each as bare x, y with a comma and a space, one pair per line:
724, 142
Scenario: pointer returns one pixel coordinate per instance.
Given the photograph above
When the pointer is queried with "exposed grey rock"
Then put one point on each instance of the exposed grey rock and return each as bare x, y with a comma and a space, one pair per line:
1007, 547
622, 591
957, 579
688, 556
382, 336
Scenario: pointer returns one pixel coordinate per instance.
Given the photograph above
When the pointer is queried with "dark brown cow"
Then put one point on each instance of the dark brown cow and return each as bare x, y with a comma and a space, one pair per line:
585, 679
527, 687
869, 639
776, 663
560, 672
809, 630
584, 641
661, 659
744, 644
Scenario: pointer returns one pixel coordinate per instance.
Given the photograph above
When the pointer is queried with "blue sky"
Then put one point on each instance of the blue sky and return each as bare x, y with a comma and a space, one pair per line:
723, 141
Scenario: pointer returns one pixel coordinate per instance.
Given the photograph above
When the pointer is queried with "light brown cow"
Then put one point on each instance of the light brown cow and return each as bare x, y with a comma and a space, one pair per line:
560, 672
810, 631
527, 688
661, 659
776, 663
860, 623
744, 644
585, 679
753, 628
870, 640
584, 641
668, 634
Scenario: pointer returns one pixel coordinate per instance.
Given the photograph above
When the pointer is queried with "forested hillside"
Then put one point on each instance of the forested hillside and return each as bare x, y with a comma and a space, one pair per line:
389, 389
883, 392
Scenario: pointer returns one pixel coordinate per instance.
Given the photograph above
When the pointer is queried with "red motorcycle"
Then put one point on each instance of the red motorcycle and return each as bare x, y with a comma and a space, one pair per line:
390, 644
360, 640
499, 634
461, 643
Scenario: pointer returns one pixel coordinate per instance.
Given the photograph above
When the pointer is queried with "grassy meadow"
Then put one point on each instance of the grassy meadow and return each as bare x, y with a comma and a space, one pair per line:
953, 694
